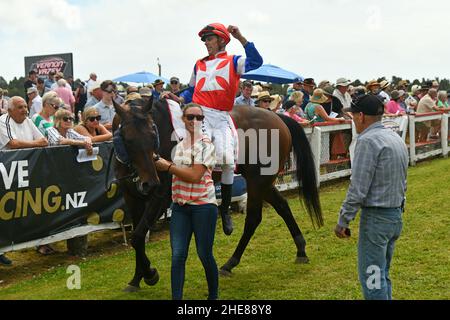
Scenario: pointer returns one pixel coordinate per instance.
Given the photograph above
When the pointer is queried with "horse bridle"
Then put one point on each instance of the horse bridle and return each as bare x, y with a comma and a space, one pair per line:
133, 175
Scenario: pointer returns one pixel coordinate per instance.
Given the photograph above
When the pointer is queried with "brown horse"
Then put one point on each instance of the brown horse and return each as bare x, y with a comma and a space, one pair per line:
147, 193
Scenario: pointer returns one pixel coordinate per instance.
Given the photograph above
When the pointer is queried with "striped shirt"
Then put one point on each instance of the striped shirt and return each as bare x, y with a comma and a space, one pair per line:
379, 171
202, 152
42, 124
54, 137
11, 130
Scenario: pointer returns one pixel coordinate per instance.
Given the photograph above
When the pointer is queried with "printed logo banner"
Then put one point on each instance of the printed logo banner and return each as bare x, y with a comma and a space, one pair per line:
43, 65
46, 191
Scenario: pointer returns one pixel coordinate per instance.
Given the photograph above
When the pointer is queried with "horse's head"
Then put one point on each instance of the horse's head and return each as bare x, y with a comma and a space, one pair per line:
141, 140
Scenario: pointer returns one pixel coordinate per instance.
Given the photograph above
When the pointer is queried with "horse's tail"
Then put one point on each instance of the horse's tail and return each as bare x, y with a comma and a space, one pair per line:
306, 170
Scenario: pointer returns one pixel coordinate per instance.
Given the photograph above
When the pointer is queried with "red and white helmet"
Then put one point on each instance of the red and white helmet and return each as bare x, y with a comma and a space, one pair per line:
217, 29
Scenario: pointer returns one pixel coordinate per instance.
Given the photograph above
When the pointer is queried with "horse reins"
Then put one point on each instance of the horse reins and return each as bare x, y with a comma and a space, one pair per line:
133, 175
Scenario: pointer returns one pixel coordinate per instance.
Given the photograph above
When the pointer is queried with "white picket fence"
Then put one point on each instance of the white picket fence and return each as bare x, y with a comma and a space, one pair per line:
328, 169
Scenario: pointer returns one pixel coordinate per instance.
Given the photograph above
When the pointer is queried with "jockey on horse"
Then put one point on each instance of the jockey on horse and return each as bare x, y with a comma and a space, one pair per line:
213, 86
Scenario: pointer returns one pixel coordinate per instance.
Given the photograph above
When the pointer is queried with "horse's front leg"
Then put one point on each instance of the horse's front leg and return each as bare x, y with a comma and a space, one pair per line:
142, 269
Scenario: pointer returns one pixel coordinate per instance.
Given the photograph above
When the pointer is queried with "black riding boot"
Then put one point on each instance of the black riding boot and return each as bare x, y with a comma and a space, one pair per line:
227, 223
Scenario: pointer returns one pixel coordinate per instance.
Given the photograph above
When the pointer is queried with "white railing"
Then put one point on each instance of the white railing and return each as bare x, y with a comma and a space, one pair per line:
432, 146
329, 169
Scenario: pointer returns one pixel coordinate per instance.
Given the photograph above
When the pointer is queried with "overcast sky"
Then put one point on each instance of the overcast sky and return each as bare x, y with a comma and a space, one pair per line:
323, 39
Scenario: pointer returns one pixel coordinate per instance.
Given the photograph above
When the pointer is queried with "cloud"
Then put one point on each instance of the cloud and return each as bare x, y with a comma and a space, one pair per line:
324, 39
23, 18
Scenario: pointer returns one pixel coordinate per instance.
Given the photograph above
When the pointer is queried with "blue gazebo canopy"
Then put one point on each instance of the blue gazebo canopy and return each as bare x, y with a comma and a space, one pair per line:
273, 74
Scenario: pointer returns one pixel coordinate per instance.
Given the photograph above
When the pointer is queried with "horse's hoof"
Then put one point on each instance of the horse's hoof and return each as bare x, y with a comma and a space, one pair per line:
227, 224
227, 231
131, 289
302, 260
153, 280
225, 273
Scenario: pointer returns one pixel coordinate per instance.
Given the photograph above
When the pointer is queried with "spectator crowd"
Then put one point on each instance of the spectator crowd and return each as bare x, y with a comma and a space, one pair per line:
60, 111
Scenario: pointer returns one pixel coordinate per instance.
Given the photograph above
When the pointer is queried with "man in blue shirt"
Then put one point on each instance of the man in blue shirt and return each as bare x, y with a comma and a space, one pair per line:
246, 97
378, 187
308, 88
159, 88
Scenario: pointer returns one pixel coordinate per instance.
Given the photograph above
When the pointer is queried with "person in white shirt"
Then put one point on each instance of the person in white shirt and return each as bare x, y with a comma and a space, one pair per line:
17, 131
91, 83
34, 101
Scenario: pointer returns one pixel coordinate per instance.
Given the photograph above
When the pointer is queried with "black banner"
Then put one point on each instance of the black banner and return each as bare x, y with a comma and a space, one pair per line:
46, 191
43, 65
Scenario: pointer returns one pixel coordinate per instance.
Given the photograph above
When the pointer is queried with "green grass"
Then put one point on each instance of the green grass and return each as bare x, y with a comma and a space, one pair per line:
420, 268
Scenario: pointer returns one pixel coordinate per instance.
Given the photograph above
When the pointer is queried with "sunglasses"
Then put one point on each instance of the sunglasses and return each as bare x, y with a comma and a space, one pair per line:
68, 119
191, 117
92, 119
55, 106
267, 101
174, 82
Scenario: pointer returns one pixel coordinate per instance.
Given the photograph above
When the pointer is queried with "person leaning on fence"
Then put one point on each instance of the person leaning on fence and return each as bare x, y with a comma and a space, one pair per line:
308, 87
443, 104
17, 131
314, 110
393, 107
298, 97
426, 105
377, 187
63, 134
194, 208
44, 119
342, 94
291, 109
90, 126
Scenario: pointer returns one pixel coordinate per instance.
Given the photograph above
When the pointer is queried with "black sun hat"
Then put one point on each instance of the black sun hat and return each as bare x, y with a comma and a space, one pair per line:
368, 104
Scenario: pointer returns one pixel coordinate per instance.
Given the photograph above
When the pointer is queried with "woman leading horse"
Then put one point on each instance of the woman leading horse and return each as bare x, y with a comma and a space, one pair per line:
145, 132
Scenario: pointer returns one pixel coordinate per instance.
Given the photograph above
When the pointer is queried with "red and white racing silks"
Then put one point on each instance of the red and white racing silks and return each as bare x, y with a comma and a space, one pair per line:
217, 81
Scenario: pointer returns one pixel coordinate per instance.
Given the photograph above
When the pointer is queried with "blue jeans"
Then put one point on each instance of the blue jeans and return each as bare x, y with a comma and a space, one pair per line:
379, 229
201, 221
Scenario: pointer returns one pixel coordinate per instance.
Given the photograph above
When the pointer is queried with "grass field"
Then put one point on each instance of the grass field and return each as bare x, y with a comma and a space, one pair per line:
420, 269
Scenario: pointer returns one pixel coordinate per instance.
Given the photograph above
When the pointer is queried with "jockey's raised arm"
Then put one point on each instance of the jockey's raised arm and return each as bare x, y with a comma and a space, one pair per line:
241, 65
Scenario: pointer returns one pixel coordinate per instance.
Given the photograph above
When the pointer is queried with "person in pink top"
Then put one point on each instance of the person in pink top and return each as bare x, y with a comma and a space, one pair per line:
291, 109
393, 107
66, 95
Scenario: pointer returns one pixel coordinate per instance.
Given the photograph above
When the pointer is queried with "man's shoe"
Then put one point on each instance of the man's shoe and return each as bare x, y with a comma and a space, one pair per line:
4, 260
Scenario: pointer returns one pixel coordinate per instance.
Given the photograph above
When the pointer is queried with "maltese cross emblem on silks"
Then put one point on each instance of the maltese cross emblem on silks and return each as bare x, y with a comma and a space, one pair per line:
216, 76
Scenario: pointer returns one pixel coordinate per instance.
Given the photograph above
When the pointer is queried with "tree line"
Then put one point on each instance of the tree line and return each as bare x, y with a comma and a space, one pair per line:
15, 86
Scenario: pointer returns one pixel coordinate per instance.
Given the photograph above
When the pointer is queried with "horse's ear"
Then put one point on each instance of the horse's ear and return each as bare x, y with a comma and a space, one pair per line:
116, 122
121, 111
148, 106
